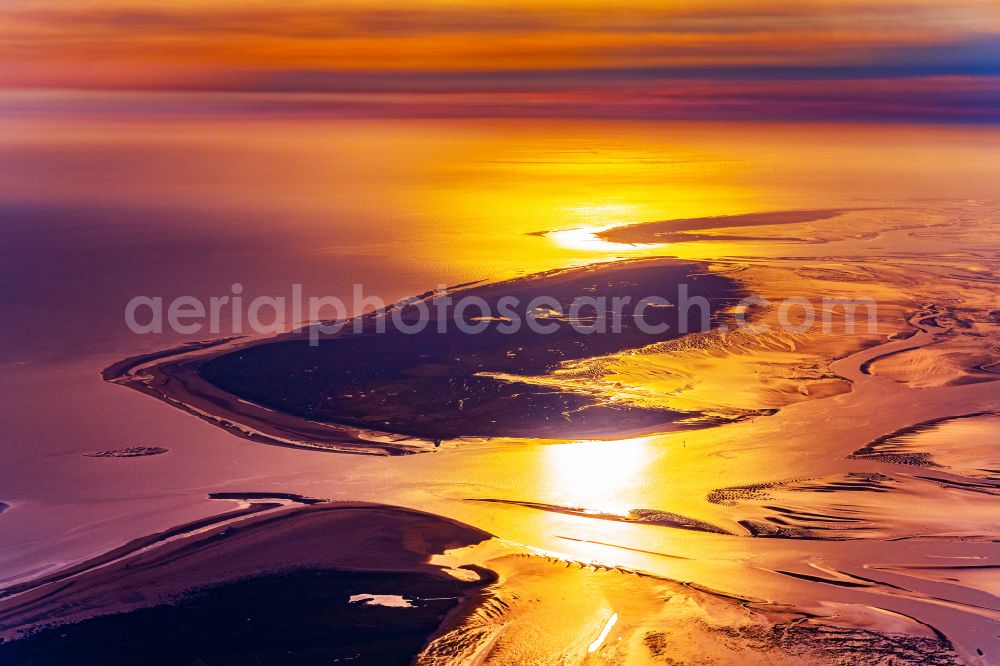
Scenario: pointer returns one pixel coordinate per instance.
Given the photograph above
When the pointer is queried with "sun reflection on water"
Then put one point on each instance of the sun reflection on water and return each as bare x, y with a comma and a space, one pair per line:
597, 475
586, 239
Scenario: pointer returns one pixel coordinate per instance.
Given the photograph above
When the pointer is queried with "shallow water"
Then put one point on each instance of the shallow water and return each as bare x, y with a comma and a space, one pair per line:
96, 211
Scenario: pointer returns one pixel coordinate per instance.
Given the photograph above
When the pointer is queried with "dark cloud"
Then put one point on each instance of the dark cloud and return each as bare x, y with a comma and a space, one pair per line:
954, 99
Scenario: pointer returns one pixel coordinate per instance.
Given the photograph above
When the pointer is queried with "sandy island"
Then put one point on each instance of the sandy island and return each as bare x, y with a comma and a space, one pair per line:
394, 393
268, 588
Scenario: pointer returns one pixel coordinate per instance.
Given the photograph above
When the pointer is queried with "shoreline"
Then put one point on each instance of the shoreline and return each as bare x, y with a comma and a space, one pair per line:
172, 377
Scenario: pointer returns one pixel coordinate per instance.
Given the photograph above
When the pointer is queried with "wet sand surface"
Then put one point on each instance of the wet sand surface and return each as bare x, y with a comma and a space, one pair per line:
837, 502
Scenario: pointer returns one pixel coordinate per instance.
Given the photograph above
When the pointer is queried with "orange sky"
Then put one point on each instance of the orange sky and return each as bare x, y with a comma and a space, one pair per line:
550, 47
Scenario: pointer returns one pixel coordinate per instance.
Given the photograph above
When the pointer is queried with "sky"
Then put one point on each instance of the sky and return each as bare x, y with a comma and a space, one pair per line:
929, 60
